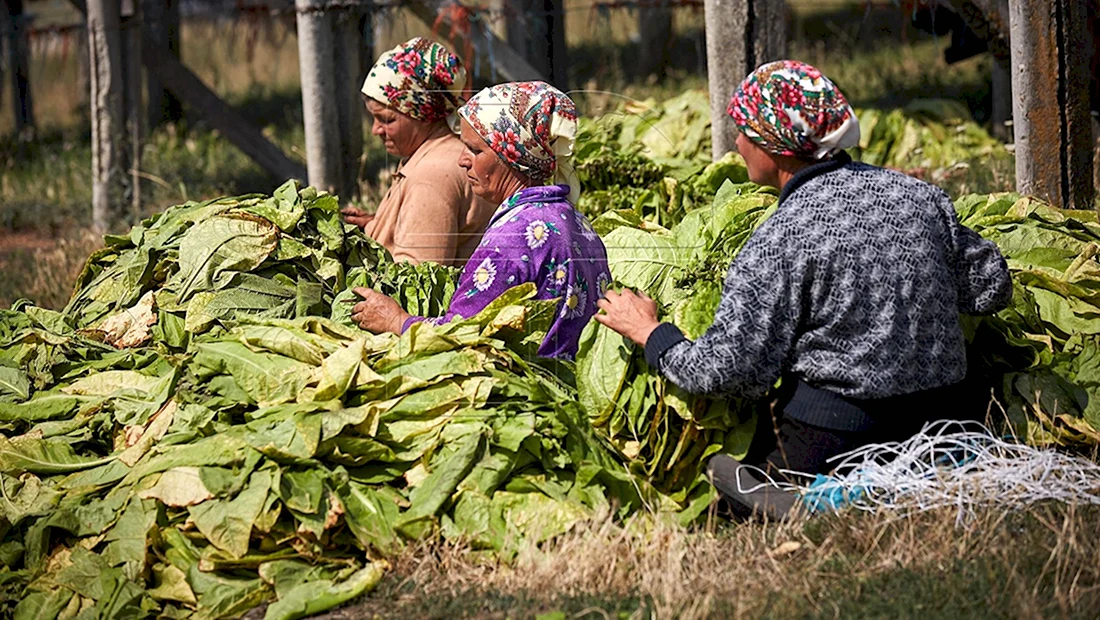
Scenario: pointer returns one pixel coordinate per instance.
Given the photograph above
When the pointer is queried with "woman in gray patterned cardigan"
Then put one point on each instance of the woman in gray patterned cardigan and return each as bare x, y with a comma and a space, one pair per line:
851, 292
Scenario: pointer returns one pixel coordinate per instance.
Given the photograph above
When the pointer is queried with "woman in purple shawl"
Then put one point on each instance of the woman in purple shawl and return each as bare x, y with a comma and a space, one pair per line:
519, 143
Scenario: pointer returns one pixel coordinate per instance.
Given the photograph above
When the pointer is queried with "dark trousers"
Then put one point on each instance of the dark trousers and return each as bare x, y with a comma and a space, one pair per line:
782, 443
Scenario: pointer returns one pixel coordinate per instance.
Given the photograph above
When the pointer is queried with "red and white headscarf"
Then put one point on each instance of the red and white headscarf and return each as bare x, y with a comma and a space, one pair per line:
789, 108
531, 126
420, 79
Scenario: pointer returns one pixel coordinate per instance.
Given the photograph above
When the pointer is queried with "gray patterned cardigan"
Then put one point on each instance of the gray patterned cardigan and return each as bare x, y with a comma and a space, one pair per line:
853, 286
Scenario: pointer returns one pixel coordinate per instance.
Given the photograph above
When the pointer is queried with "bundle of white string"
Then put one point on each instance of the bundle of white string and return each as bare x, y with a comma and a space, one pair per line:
956, 464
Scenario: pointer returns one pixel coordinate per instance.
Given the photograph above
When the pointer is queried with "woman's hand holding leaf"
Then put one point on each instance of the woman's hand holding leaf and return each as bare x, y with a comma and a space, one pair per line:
378, 313
634, 315
358, 217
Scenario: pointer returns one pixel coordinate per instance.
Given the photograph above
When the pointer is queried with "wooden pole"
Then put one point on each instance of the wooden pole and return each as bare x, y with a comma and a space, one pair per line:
1000, 116
349, 79
655, 39
5, 19
162, 20
741, 35
726, 24
132, 98
555, 41
185, 85
105, 57
1050, 85
320, 102
18, 62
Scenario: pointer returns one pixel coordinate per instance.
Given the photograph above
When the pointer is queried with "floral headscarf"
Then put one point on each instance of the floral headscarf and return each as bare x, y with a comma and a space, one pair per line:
418, 78
530, 126
789, 108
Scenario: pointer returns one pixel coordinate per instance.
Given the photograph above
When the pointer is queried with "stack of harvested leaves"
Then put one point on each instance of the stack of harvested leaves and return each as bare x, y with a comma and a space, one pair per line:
1043, 352
664, 433
189, 438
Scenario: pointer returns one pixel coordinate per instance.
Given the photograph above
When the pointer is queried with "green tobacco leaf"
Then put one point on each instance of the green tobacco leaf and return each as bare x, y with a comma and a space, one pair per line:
113, 382
287, 341
223, 596
448, 469
291, 436
171, 585
268, 379
302, 491
371, 516
43, 605
227, 524
695, 314
215, 249
645, 261
284, 213
14, 384
603, 359
313, 597
222, 449
177, 487
338, 371
26, 497
44, 406
43, 456
250, 297
127, 542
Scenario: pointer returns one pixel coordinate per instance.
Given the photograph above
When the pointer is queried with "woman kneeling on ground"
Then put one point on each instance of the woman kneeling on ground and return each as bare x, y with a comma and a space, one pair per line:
518, 141
429, 212
850, 292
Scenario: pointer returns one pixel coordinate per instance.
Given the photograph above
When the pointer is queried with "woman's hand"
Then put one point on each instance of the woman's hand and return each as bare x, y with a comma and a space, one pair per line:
632, 315
357, 217
378, 313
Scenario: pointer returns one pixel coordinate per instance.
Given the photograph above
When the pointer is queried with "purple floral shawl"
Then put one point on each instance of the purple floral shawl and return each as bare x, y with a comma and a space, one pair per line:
536, 236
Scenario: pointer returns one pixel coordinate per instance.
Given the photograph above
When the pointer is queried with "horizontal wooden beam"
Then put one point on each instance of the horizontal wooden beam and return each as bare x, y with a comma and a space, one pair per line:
183, 83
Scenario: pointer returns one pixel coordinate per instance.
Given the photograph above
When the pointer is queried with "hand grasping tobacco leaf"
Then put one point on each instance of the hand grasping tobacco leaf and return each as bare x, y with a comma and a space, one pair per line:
378, 313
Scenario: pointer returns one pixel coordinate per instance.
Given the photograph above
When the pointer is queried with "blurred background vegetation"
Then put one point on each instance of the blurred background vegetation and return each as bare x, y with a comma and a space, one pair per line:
871, 50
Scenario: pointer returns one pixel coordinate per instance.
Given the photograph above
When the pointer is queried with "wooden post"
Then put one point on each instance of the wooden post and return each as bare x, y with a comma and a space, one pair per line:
320, 100
1050, 82
536, 30
1000, 116
726, 24
105, 57
132, 99
5, 19
349, 79
162, 22
555, 43
83, 71
741, 35
18, 62
220, 115
654, 39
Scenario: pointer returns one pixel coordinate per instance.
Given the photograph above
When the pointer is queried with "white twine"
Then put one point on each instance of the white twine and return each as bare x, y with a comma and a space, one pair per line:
949, 464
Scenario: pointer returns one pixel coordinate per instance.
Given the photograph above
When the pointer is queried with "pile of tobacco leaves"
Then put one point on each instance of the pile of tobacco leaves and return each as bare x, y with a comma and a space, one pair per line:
202, 431
195, 434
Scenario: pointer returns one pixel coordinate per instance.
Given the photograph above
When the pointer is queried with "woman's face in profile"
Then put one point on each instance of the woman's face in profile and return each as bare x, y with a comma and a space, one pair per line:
400, 134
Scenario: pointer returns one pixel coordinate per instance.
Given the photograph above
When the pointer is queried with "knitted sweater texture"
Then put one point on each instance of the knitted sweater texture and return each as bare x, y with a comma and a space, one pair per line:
854, 285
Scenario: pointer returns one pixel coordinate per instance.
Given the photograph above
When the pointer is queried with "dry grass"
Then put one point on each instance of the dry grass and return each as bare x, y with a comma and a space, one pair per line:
1044, 562
41, 267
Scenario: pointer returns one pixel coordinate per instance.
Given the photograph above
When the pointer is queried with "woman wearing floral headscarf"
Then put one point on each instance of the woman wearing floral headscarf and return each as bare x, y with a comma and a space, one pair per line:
429, 212
851, 291
519, 147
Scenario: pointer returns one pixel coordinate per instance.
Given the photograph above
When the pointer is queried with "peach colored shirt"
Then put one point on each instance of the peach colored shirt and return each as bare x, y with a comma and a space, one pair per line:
429, 212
